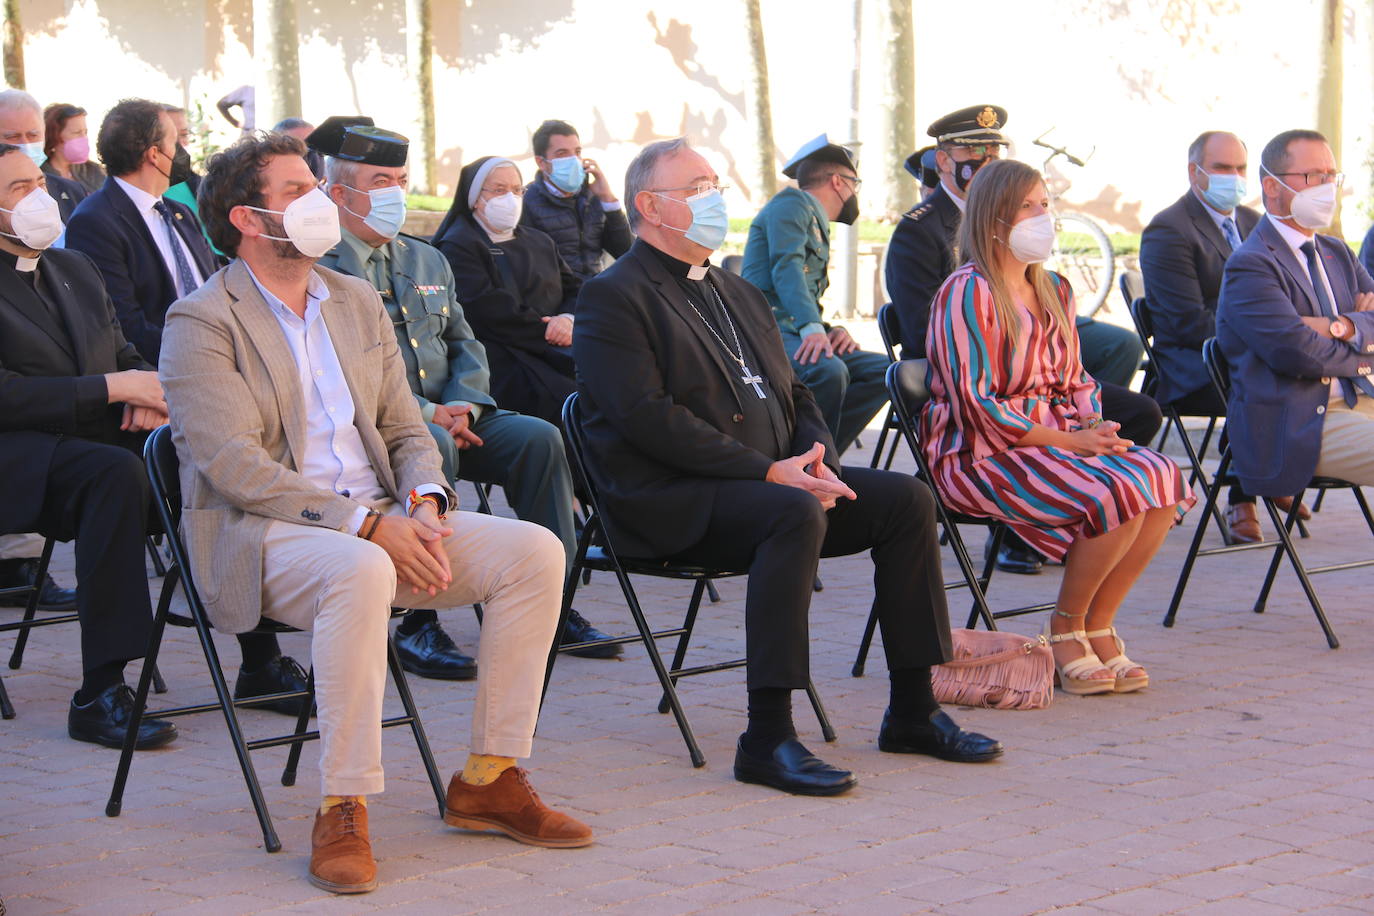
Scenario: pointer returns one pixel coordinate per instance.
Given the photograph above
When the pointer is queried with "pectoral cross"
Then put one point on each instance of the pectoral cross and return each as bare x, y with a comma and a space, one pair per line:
750, 378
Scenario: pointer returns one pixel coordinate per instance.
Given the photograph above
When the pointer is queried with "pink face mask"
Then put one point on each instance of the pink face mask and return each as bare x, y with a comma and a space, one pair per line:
76, 150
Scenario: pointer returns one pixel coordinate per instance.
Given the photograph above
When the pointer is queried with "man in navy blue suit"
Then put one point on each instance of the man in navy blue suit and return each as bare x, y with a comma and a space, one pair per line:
150, 250
1296, 326
1182, 254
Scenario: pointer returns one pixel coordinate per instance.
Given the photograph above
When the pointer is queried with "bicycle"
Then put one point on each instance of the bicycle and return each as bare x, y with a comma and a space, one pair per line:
1082, 251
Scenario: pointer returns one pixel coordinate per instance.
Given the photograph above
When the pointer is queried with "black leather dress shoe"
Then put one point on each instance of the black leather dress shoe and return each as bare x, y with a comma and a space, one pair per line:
1015, 556
105, 719
282, 674
940, 737
21, 574
792, 768
579, 630
429, 652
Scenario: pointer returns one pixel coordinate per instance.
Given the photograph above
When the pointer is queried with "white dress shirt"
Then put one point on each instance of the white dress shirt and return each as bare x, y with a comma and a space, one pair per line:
163, 235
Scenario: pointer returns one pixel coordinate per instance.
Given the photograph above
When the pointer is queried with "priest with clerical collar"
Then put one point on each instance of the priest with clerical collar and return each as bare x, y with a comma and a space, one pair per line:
707, 448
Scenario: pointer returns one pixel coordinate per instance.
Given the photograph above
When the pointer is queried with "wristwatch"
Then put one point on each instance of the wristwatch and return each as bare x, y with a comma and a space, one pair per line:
1341, 330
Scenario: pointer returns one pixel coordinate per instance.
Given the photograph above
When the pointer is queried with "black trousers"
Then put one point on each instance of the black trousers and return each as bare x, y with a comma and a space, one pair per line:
99, 495
1138, 414
779, 534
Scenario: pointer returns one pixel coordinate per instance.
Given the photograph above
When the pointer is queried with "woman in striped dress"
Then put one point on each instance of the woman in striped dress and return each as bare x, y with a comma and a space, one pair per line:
1014, 430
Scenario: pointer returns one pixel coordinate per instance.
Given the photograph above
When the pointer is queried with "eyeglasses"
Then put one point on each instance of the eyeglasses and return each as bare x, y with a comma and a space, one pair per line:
1338, 178
518, 191
706, 187
854, 178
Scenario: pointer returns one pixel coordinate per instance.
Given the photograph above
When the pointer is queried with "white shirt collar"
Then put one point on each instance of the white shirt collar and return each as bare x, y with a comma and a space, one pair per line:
316, 293
1217, 218
141, 198
1293, 237
958, 201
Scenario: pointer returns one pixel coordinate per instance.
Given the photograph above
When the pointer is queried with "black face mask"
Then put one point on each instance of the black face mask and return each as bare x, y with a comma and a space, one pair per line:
181, 167
964, 171
849, 210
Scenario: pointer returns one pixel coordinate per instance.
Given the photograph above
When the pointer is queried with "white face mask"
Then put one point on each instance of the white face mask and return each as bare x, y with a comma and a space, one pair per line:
1032, 240
1311, 208
502, 214
311, 223
35, 220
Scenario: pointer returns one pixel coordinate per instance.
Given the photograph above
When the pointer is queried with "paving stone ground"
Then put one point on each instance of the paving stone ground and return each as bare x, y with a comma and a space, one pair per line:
1238, 783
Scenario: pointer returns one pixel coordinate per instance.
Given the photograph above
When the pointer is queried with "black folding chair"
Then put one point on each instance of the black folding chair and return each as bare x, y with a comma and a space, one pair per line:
1145, 330
160, 457
891, 332
594, 551
906, 386
28, 621
1132, 286
1220, 373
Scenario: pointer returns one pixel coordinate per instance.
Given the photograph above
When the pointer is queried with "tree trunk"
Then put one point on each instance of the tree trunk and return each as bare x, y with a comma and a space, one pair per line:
14, 45
898, 125
419, 69
275, 54
1329, 90
760, 109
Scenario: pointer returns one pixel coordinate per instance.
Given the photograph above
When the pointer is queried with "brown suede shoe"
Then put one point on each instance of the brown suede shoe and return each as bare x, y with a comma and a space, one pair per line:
341, 854
1243, 521
511, 805
1284, 503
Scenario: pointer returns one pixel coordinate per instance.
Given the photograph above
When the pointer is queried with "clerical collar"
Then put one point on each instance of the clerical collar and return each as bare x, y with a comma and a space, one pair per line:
22, 264
680, 270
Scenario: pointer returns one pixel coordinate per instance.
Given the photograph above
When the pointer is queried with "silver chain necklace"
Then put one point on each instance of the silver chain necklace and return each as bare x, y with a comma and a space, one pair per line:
746, 376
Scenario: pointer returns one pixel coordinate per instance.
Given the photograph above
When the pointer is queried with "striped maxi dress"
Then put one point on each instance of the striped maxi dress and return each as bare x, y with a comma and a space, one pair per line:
988, 387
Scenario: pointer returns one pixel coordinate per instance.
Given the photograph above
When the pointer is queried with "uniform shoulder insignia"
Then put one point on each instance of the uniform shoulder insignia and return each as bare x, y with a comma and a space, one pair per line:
412, 238
920, 211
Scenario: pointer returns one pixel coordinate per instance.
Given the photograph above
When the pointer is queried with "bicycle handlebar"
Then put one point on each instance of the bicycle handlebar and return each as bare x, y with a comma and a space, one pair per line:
1060, 151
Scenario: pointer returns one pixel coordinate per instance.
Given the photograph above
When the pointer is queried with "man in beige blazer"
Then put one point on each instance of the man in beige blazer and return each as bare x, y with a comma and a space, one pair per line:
313, 495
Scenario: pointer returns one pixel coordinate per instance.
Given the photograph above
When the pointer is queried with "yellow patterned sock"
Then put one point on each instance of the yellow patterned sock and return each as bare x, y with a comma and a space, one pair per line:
482, 769
333, 801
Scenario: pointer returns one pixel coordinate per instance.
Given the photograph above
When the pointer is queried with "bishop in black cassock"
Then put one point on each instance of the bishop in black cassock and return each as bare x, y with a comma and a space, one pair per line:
707, 448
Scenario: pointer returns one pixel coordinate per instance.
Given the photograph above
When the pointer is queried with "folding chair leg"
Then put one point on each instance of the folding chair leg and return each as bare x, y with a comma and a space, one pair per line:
156, 556
711, 592
1287, 546
293, 757
1213, 491
159, 685
688, 623
861, 660
575, 575
31, 606
398, 676
980, 602
1317, 503
1199, 474
6, 707
827, 730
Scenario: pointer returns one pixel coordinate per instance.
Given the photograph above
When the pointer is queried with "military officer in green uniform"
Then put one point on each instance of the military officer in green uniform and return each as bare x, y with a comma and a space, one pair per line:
787, 257
365, 174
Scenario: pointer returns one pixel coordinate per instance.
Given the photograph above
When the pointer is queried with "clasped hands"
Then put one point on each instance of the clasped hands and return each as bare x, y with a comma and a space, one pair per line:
457, 419
416, 548
809, 472
140, 392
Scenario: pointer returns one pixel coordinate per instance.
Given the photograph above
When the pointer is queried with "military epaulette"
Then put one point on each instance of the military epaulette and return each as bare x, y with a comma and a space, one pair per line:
413, 238
920, 211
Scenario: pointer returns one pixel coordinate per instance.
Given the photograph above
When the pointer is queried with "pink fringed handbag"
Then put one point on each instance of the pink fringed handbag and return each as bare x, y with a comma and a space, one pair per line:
996, 670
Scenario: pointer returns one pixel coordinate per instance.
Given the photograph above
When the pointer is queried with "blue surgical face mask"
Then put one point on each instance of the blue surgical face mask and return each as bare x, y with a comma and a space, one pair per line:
35, 152
388, 213
1224, 192
710, 222
567, 174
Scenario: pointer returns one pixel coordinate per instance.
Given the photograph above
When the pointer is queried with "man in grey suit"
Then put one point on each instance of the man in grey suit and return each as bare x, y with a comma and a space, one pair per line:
314, 496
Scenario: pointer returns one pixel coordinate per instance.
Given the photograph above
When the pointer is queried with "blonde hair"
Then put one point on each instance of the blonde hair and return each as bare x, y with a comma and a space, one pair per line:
995, 197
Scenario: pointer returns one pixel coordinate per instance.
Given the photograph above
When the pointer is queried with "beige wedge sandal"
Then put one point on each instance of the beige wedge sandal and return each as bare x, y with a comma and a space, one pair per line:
1120, 664
1070, 676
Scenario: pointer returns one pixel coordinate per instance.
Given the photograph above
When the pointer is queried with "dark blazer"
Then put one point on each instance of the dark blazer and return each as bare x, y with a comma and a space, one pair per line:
658, 404
1182, 254
1281, 370
67, 193
920, 256
52, 372
107, 227
1367, 251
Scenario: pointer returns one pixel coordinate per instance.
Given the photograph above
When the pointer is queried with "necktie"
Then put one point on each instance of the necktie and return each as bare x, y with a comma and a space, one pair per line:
185, 276
1228, 229
381, 277
1348, 386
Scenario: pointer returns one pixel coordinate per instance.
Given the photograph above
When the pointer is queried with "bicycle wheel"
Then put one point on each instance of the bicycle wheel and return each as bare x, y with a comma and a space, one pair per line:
1084, 255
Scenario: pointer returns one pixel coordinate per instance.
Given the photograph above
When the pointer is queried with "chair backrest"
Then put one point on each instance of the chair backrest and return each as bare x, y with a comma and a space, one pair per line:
906, 388
164, 474
733, 263
1132, 285
1217, 367
576, 441
890, 329
1144, 321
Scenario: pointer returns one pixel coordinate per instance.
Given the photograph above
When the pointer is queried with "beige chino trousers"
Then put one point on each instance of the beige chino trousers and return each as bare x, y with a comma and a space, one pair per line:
1348, 442
341, 588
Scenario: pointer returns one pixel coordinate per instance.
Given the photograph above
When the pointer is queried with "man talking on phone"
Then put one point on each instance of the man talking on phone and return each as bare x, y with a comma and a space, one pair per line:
571, 201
